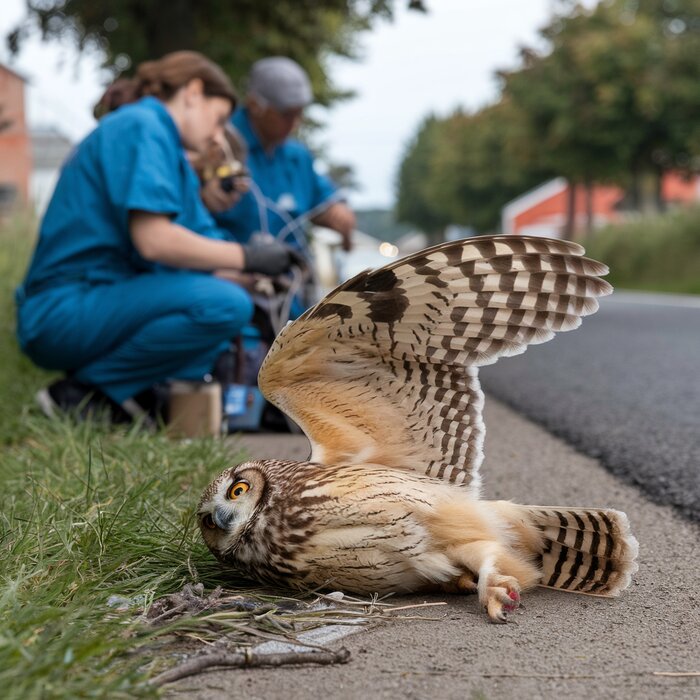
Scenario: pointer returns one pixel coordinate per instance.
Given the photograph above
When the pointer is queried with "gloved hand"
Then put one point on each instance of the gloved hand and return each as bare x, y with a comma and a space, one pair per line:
271, 258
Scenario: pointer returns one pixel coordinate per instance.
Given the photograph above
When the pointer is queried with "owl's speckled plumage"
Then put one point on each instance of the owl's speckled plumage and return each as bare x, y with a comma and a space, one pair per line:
382, 377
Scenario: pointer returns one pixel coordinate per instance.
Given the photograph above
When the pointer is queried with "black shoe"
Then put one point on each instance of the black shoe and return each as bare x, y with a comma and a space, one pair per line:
80, 400
154, 402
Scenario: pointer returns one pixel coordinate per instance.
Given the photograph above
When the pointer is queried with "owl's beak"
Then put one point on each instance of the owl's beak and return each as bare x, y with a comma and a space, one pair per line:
222, 518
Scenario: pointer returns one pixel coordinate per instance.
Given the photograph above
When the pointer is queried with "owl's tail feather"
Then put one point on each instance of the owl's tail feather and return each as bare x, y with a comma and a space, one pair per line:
582, 550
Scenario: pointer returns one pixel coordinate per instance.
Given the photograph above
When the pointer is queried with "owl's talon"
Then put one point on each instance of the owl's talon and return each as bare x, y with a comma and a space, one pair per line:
496, 611
502, 597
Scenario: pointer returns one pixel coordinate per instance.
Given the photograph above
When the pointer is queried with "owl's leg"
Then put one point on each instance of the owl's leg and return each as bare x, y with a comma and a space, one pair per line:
464, 583
501, 576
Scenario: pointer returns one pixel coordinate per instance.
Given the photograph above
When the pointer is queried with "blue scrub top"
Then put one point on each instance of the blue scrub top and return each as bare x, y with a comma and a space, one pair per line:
285, 175
133, 160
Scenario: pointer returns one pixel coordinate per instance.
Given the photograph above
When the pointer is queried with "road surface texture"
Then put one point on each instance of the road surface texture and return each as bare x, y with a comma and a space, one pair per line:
624, 388
558, 645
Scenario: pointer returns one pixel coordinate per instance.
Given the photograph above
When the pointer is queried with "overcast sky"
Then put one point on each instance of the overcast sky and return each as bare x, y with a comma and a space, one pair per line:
416, 65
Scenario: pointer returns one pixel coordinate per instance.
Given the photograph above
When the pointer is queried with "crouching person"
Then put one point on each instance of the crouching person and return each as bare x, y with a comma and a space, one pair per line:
119, 294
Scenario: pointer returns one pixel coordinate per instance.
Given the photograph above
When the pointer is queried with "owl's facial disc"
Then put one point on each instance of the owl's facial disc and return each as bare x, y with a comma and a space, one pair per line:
226, 513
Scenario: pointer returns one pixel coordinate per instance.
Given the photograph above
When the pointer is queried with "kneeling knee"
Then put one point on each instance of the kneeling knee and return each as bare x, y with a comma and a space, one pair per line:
229, 309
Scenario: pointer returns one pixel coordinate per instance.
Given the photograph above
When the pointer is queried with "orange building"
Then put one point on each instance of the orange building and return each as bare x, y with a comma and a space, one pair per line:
15, 142
543, 211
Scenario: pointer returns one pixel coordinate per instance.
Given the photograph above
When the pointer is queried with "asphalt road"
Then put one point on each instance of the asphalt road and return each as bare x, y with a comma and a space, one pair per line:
624, 388
557, 645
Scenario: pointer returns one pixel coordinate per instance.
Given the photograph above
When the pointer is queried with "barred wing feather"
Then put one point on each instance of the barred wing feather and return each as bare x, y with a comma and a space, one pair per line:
385, 369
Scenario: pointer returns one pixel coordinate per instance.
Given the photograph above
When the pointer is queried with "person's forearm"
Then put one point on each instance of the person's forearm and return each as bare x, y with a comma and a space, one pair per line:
159, 240
338, 217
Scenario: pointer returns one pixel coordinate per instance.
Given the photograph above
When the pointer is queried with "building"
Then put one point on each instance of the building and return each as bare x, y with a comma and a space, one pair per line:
15, 143
543, 210
50, 148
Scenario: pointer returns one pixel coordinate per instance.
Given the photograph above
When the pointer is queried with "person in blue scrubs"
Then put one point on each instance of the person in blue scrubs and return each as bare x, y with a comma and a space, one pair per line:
120, 293
284, 184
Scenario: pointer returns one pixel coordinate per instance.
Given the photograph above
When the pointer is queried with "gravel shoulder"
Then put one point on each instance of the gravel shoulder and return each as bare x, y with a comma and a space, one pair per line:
557, 645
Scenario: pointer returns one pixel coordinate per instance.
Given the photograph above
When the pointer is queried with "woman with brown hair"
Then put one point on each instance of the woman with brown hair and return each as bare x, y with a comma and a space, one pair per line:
119, 293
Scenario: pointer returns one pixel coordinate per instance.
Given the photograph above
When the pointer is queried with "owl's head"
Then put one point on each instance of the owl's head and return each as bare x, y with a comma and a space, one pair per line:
228, 505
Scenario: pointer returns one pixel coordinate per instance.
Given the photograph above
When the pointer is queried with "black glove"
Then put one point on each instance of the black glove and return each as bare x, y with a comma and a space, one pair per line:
271, 258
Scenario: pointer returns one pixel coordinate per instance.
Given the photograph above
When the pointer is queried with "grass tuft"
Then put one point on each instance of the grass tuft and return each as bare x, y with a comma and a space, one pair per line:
659, 254
88, 513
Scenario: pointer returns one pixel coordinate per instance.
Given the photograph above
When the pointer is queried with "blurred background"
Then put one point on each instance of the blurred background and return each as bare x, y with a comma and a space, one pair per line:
441, 118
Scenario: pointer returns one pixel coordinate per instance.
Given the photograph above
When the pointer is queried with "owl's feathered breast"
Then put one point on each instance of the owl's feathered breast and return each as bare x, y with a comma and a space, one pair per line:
353, 526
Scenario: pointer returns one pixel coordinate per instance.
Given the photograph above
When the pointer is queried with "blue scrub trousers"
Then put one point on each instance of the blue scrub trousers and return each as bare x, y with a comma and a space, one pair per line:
126, 336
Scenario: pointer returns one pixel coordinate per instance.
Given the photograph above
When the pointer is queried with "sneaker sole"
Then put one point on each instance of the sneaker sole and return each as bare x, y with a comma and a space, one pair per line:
46, 403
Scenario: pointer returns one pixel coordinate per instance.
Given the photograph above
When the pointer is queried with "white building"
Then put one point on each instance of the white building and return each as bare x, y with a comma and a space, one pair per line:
50, 148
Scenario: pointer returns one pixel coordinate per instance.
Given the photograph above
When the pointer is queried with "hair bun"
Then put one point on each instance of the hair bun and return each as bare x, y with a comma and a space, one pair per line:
122, 91
149, 80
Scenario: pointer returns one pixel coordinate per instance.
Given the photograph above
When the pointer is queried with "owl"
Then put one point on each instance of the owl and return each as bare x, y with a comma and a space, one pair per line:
382, 376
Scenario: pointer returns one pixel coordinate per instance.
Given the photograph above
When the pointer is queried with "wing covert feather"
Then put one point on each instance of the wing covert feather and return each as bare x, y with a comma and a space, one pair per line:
385, 369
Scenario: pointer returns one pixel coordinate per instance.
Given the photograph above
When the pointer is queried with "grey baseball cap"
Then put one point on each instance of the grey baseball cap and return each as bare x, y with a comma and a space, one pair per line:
281, 82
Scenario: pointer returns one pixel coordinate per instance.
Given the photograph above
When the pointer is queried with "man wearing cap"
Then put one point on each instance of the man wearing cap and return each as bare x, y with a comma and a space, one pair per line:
285, 185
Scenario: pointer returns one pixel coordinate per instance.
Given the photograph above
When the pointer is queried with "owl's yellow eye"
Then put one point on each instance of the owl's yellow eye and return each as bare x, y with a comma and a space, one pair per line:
237, 488
209, 522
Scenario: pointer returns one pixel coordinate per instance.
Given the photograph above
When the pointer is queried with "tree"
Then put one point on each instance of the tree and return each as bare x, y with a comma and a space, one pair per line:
414, 204
464, 168
479, 168
612, 97
234, 33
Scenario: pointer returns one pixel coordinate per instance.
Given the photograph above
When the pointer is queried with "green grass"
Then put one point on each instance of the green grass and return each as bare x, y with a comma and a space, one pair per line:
19, 379
86, 512
89, 511
653, 254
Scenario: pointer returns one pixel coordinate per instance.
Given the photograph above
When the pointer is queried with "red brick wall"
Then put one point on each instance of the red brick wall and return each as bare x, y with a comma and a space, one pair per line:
552, 210
15, 145
679, 189
555, 207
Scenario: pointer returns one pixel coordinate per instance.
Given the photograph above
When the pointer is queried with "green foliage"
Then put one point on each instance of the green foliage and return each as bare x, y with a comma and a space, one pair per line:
611, 96
234, 33
463, 169
479, 172
614, 96
414, 204
659, 253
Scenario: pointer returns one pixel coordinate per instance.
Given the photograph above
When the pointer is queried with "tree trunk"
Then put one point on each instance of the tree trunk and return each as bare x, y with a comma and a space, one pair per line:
635, 195
659, 190
589, 208
570, 225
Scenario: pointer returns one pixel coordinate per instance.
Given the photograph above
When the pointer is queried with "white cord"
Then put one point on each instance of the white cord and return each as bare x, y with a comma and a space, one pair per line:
291, 225
322, 206
260, 198
294, 287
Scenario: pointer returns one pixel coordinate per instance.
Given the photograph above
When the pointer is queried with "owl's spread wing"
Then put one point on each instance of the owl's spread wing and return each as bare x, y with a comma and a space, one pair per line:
384, 369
